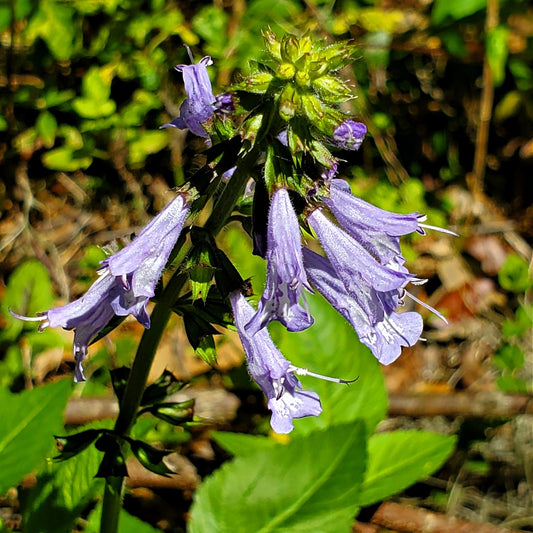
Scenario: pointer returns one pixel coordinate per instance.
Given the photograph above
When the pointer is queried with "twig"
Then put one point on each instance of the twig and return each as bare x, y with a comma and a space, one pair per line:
415, 520
476, 178
481, 404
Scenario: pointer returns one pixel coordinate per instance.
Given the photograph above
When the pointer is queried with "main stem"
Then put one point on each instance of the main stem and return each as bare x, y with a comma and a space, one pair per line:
150, 339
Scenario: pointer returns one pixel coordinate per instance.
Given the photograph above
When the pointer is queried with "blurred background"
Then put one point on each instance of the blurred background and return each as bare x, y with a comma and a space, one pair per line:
445, 88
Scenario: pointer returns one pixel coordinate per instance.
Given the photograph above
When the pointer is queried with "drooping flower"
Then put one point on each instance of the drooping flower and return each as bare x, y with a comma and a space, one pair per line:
383, 330
285, 271
376, 229
356, 268
126, 281
272, 372
199, 104
349, 135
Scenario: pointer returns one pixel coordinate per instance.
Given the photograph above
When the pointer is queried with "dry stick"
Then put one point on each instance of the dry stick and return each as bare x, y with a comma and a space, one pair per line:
476, 178
218, 406
415, 520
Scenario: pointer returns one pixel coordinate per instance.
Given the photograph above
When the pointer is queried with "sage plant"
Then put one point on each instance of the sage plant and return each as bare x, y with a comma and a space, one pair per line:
273, 143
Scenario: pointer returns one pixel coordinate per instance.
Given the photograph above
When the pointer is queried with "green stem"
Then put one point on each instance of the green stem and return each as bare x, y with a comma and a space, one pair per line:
135, 385
146, 351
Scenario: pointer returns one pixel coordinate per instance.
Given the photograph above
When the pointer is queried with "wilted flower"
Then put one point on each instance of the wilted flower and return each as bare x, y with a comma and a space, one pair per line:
199, 104
272, 372
285, 271
126, 282
382, 330
349, 135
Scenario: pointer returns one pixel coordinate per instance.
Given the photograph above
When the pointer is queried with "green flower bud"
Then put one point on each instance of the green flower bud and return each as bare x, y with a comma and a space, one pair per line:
290, 49
302, 79
289, 102
332, 90
286, 71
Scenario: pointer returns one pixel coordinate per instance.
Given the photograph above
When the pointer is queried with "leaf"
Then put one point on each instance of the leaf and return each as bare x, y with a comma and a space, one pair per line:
126, 524
497, 52
514, 274
310, 484
241, 444
46, 128
64, 487
64, 158
29, 291
28, 422
396, 460
331, 347
455, 9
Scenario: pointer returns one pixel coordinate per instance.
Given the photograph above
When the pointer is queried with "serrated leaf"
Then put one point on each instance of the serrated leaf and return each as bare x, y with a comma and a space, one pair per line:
398, 459
310, 484
28, 422
330, 347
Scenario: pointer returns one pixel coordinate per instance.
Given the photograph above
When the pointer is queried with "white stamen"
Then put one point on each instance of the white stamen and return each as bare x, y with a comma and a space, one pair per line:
27, 318
305, 372
436, 228
427, 306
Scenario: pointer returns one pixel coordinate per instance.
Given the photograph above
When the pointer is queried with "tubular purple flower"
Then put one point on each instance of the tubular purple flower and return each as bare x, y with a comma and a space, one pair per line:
354, 265
272, 372
126, 282
385, 335
285, 270
349, 135
199, 104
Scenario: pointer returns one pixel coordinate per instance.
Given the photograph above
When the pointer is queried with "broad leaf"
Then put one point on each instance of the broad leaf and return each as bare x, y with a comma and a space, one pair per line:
399, 459
310, 484
65, 487
28, 422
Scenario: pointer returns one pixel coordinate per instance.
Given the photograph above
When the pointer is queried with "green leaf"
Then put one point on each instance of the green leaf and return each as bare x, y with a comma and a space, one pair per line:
514, 384
330, 347
126, 524
148, 142
66, 488
514, 274
241, 444
310, 484
455, 9
64, 158
399, 459
46, 128
497, 52
29, 291
87, 108
28, 422
509, 357
54, 23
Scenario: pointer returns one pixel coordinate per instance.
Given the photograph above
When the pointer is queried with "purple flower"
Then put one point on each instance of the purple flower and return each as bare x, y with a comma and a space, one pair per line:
285, 270
376, 229
358, 270
272, 372
199, 104
382, 330
126, 282
349, 135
